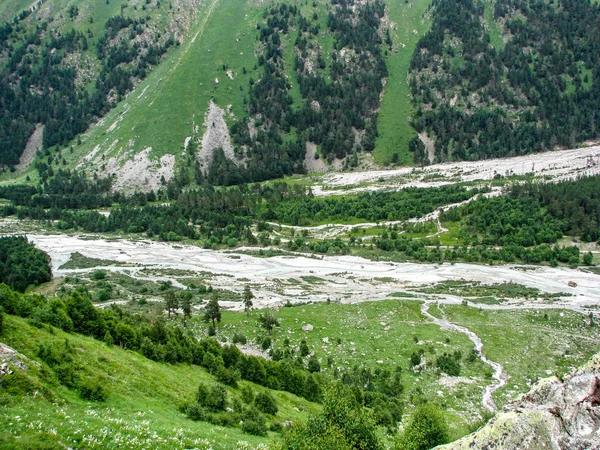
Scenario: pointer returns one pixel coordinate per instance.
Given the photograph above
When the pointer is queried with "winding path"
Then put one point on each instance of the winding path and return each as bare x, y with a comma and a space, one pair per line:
499, 374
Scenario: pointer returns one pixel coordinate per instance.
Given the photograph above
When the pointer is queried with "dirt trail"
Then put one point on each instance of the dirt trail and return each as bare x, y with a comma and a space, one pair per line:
499, 374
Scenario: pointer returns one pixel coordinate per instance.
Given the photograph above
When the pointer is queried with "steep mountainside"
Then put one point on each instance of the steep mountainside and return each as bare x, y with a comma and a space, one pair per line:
506, 78
194, 91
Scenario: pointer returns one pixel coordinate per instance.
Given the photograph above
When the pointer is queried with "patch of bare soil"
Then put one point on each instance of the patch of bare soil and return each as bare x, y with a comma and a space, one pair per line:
216, 134
34, 145
141, 173
313, 164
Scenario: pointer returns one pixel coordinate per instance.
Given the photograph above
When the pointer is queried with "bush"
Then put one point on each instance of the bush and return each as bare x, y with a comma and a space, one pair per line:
230, 377
313, 365
448, 364
93, 389
1, 320
98, 274
239, 338
196, 412
266, 403
277, 427
266, 343
254, 422
247, 395
426, 429
212, 397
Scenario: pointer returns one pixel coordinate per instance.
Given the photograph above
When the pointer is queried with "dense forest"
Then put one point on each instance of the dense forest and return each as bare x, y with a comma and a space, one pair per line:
39, 86
339, 101
524, 83
21, 264
525, 224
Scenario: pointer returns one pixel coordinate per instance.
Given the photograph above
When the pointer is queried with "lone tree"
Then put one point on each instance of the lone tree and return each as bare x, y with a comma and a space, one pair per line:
213, 311
171, 303
268, 321
186, 306
248, 296
426, 429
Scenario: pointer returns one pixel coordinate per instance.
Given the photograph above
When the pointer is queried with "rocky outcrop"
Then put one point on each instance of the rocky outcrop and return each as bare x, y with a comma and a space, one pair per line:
10, 359
554, 414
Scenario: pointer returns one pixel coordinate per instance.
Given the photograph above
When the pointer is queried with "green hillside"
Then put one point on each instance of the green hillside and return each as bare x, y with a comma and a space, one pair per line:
141, 407
123, 90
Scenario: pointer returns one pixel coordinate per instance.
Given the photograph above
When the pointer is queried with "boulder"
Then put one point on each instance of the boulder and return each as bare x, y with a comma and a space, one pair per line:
554, 414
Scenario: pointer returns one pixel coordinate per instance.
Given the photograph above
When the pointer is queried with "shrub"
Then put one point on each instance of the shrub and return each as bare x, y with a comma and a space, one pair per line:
426, 429
313, 365
98, 274
247, 395
266, 343
93, 389
239, 338
277, 427
448, 364
196, 412
1, 320
254, 422
266, 403
212, 397
226, 376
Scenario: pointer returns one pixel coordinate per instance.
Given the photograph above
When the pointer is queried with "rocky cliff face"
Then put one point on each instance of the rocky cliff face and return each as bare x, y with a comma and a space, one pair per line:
555, 414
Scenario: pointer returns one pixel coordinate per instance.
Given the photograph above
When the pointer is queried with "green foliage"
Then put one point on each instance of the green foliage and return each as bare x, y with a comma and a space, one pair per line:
254, 422
22, 265
340, 425
93, 389
98, 274
427, 428
213, 311
248, 296
313, 364
268, 321
480, 101
372, 207
228, 376
449, 364
213, 397
239, 338
265, 403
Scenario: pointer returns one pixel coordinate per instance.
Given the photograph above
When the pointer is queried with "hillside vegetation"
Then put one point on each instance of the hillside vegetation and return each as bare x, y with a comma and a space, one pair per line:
147, 94
506, 78
136, 404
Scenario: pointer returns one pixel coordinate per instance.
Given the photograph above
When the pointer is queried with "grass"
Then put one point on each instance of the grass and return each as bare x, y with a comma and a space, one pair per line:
394, 127
477, 289
375, 334
548, 342
11, 8
492, 27
141, 410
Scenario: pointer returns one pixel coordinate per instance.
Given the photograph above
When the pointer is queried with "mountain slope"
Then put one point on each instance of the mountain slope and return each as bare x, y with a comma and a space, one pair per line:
146, 94
506, 78
141, 407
